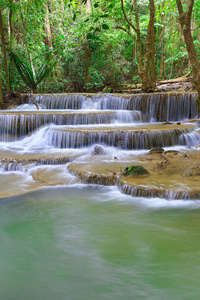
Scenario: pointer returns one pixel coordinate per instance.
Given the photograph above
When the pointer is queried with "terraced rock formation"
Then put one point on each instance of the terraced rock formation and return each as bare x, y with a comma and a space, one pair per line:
172, 175
94, 137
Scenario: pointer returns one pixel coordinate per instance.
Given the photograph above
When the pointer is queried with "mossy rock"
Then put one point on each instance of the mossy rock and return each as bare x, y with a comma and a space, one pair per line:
135, 171
107, 90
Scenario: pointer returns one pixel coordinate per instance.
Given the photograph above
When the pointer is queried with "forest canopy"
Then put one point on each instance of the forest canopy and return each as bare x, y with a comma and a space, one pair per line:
77, 46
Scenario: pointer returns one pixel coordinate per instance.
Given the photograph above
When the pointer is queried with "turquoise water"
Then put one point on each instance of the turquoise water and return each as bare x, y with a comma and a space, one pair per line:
86, 242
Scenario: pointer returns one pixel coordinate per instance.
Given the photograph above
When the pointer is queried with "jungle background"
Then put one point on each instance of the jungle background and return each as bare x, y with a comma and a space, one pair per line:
84, 46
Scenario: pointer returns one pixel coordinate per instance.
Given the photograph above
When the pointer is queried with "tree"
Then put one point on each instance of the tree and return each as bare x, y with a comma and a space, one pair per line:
4, 50
148, 55
47, 28
88, 6
185, 21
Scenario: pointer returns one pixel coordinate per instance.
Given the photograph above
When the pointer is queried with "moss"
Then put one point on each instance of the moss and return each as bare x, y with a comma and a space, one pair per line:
107, 90
135, 171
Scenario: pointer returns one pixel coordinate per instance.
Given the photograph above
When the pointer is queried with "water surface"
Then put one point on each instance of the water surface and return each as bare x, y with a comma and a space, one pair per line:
91, 242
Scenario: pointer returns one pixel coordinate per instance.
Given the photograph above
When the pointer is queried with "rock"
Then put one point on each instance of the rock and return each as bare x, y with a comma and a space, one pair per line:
157, 150
98, 151
14, 98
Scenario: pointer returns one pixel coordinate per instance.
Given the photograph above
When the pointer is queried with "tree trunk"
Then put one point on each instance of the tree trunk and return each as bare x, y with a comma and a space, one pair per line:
139, 44
145, 76
152, 45
48, 39
185, 21
1, 92
24, 32
89, 6
10, 25
149, 50
4, 51
162, 59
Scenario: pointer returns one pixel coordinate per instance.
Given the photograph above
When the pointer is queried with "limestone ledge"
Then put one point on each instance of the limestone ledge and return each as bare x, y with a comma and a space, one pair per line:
173, 175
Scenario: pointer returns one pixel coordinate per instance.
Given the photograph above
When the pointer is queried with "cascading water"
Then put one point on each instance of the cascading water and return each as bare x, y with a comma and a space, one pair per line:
64, 235
14, 125
72, 124
157, 107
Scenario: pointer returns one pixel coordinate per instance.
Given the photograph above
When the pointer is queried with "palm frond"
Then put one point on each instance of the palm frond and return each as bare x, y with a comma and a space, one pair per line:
31, 77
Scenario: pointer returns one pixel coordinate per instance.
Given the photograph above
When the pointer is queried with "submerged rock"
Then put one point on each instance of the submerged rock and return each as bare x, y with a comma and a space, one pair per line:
157, 150
98, 150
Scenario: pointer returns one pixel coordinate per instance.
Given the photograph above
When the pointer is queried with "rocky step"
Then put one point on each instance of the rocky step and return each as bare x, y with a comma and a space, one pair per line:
20, 123
30, 179
12, 161
143, 136
159, 107
172, 174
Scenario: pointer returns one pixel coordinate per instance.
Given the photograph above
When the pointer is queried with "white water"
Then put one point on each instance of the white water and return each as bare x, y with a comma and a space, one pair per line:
172, 107
63, 239
74, 124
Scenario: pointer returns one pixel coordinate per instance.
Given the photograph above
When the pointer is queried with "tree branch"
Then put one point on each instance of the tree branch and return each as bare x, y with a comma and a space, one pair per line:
189, 12
180, 7
126, 18
128, 32
190, 7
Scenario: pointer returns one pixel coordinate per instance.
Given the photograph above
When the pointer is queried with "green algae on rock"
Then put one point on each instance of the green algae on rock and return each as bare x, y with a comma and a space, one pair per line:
135, 171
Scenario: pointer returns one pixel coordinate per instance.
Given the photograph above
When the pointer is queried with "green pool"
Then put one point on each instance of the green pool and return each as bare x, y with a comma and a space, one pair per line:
89, 242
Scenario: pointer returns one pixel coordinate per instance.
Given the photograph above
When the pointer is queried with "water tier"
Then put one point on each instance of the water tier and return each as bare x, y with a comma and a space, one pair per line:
157, 107
123, 137
14, 124
67, 127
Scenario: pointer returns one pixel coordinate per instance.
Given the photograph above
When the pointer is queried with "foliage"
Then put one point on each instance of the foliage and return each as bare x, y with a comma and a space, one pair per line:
32, 78
95, 49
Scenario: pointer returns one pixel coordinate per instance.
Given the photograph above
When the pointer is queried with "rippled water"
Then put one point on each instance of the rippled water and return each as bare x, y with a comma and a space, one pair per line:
91, 242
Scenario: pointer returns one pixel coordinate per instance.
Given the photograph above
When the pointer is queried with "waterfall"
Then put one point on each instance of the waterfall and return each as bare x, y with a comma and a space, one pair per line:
68, 126
137, 139
157, 107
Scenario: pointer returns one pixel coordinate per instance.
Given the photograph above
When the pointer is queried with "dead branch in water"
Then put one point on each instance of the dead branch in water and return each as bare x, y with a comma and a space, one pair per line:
34, 102
114, 173
184, 121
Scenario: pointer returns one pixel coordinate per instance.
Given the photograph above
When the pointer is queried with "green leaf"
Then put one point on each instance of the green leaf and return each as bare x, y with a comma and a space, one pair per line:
104, 16
96, 5
111, 5
97, 29
90, 36
105, 26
